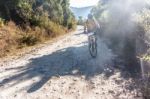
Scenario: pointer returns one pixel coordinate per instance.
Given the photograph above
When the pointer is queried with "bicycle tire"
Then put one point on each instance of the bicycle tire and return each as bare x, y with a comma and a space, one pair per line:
93, 47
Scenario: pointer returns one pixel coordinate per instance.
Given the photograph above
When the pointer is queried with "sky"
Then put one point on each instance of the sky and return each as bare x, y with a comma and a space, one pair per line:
83, 3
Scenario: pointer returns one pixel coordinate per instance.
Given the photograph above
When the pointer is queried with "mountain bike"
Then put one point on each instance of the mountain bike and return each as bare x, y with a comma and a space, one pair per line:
92, 40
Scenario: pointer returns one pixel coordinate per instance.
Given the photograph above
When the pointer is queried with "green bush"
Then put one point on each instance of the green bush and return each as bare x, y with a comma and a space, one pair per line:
28, 39
1, 22
53, 29
29, 11
143, 18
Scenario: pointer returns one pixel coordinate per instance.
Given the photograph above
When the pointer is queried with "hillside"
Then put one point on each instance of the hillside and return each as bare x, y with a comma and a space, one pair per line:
27, 22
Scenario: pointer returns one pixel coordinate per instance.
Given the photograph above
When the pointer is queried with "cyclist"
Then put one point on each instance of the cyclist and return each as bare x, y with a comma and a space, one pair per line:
92, 27
91, 24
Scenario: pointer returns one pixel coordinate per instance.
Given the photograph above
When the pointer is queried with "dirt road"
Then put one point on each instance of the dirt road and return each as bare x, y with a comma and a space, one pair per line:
65, 70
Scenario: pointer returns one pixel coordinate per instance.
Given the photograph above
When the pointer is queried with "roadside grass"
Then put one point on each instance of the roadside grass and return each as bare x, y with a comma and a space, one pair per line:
13, 37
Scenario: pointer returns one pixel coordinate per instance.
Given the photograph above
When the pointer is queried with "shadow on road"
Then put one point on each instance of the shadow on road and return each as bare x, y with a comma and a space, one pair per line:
59, 63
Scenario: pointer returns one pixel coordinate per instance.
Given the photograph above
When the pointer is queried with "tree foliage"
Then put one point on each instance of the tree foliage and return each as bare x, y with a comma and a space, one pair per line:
31, 11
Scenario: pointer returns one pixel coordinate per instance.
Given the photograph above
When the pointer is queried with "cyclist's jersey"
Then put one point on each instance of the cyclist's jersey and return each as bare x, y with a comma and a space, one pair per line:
91, 26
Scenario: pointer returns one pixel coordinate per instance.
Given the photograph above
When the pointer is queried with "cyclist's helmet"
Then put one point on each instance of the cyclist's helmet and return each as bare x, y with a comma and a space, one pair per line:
90, 16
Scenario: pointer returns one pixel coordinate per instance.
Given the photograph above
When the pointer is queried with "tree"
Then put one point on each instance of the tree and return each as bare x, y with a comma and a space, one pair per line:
30, 11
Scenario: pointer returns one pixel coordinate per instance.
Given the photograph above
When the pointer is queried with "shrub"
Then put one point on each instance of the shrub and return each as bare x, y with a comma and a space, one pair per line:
7, 41
1, 22
143, 19
53, 29
28, 39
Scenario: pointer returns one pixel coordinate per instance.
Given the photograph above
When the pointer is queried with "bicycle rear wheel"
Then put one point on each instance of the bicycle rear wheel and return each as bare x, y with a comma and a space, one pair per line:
93, 46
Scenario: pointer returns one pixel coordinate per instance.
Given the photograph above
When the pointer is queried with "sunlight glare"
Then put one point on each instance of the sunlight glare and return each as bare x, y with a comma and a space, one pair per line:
83, 3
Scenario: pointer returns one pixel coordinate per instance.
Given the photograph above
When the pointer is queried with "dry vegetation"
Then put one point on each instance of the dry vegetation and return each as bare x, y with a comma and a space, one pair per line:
144, 21
27, 22
13, 37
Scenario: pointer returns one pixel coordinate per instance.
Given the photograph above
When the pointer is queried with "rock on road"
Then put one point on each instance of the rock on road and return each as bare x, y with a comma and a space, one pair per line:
64, 69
